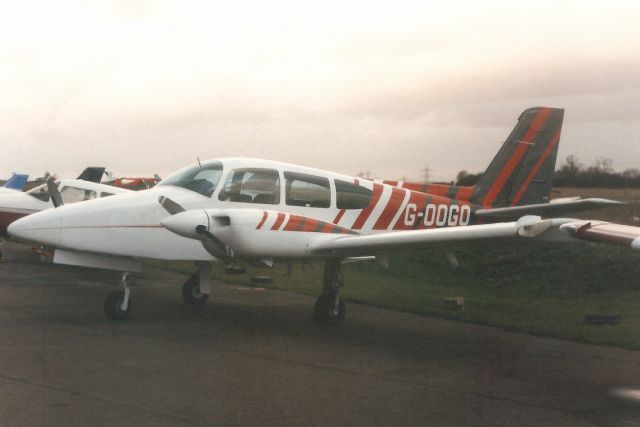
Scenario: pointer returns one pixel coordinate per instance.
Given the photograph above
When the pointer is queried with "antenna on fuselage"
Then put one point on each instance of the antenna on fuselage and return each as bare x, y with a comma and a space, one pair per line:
199, 164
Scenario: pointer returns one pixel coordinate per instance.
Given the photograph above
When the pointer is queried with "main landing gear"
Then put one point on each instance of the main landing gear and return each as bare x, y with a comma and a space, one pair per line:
330, 308
117, 305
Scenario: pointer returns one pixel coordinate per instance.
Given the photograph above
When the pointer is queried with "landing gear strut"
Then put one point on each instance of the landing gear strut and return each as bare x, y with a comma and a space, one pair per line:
117, 305
193, 291
330, 308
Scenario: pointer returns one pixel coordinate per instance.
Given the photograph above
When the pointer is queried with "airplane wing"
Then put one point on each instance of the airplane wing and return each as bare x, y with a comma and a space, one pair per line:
554, 208
528, 226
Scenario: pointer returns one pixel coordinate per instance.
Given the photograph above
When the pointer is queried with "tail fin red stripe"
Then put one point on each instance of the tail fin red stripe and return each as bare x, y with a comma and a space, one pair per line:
519, 153
536, 167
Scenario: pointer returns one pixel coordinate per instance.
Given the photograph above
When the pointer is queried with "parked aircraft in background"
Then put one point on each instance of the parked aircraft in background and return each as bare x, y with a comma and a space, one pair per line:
265, 211
17, 204
92, 174
15, 183
132, 183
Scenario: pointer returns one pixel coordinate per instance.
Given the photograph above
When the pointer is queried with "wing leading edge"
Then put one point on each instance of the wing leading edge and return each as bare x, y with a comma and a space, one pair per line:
528, 226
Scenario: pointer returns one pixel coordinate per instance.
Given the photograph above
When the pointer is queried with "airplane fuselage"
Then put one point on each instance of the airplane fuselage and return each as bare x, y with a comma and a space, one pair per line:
285, 209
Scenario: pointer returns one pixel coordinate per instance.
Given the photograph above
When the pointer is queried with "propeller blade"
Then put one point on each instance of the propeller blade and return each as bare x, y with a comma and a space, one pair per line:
195, 224
56, 198
216, 247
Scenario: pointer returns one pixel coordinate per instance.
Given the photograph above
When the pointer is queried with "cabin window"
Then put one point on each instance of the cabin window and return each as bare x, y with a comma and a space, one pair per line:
351, 196
307, 190
252, 185
41, 193
202, 179
74, 195
105, 194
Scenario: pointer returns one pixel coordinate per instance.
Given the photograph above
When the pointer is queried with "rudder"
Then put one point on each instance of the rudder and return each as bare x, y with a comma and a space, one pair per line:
522, 171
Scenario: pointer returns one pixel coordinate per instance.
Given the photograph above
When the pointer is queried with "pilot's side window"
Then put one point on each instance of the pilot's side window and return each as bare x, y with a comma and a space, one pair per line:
351, 196
252, 185
307, 190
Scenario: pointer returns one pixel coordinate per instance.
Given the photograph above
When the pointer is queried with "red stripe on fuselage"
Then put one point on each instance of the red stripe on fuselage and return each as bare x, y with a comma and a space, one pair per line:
364, 215
339, 216
520, 151
265, 215
419, 200
464, 194
393, 205
309, 225
292, 224
278, 222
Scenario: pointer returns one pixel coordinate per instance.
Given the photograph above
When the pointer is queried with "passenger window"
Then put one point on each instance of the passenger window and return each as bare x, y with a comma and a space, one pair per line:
251, 185
40, 193
307, 190
105, 195
351, 196
74, 195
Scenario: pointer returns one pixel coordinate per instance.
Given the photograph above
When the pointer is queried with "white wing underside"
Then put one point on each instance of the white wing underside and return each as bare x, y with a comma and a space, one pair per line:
529, 226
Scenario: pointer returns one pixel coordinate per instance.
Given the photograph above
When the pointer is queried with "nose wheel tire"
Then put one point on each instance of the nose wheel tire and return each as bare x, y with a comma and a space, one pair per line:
191, 291
113, 306
326, 312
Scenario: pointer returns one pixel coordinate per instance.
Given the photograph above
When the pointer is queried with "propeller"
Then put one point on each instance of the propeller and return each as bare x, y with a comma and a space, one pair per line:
56, 198
196, 224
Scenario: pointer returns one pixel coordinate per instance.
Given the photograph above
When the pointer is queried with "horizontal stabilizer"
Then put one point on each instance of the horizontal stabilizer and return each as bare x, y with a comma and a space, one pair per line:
555, 208
604, 232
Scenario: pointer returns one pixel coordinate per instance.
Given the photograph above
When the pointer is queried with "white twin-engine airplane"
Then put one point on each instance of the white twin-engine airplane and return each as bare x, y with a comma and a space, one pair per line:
238, 208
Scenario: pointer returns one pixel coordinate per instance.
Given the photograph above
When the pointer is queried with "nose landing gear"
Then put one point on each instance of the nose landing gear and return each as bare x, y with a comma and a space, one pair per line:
198, 286
117, 305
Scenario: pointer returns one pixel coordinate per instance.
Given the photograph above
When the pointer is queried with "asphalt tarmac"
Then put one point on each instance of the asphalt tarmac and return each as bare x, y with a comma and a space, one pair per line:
255, 357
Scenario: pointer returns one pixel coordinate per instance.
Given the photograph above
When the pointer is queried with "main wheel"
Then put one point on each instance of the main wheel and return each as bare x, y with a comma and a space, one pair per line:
191, 291
113, 306
325, 310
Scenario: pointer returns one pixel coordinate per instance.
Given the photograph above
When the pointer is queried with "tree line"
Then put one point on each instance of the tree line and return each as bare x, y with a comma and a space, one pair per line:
572, 173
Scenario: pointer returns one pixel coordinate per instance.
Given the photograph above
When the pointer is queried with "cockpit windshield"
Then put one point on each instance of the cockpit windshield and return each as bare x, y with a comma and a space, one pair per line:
41, 192
202, 179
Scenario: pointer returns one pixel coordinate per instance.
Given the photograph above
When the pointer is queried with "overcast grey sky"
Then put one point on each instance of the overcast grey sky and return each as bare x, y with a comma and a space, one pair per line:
389, 87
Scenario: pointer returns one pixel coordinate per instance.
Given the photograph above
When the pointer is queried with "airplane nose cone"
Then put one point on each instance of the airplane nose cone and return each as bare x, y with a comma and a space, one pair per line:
185, 223
37, 228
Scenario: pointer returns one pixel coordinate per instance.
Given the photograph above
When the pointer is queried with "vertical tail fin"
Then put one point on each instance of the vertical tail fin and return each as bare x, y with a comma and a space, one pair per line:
521, 172
92, 174
17, 181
